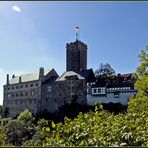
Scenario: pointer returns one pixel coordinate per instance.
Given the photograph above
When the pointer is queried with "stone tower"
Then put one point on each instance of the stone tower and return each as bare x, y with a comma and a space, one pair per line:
76, 56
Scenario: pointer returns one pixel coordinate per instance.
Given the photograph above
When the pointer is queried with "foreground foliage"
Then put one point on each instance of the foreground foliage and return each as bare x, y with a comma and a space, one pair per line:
99, 128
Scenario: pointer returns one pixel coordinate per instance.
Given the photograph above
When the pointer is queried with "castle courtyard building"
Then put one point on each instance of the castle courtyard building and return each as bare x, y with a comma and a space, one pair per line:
25, 91
47, 91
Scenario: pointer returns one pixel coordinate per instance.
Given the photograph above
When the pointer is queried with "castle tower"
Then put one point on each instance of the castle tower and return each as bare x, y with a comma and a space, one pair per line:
76, 55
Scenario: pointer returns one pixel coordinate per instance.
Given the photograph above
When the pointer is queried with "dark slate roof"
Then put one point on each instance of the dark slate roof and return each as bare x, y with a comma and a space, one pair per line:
50, 80
120, 85
88, 75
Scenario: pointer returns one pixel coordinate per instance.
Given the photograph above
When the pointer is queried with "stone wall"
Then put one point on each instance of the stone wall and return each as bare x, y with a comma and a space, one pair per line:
19, 96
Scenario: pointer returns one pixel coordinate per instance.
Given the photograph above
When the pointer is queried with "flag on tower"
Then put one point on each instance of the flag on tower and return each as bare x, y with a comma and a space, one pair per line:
77, 29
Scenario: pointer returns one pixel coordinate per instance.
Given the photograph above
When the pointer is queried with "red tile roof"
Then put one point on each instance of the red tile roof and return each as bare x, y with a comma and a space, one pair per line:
126, 75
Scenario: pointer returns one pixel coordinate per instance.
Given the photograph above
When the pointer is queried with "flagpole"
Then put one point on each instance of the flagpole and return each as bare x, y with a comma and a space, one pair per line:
77, 36
77, 29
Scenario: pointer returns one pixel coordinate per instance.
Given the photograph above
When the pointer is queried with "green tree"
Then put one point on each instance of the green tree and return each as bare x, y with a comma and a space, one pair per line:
16, 132
142, 69
41, 123
38, 137
3, 137
27, 119
105, 70
26, 116
105, 73
142, 74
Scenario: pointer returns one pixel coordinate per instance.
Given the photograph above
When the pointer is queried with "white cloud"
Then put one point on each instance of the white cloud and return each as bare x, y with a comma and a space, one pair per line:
16, 8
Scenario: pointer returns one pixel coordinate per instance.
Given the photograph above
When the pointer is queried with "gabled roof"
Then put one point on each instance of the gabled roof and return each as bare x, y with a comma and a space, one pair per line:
27, 77
69, 73
50, 80
88, 74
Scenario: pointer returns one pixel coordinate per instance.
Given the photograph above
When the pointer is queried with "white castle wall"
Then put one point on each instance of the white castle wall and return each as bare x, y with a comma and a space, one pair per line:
123, 98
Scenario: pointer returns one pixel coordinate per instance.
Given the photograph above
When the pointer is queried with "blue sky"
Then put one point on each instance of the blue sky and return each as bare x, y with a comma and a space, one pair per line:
34, 34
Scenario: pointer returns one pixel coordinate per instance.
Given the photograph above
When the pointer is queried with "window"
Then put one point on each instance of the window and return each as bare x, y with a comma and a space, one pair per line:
9, 95
80, 93
95, 90
12, 95
99, 90
36, 84
26, 85
116, 95
8, 88
88, 90
21, 86
72, 94
60, 85
16, 87
31, 85
26, 93
49, 88
12, 87
80, 84
32, 92
21, 94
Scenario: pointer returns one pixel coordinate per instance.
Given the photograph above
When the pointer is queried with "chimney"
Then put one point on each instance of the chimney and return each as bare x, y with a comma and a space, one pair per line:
13, 76
20, 79
41, 72
7, 79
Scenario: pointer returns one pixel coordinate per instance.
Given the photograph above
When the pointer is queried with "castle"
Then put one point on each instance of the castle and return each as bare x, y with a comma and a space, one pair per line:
46, 90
